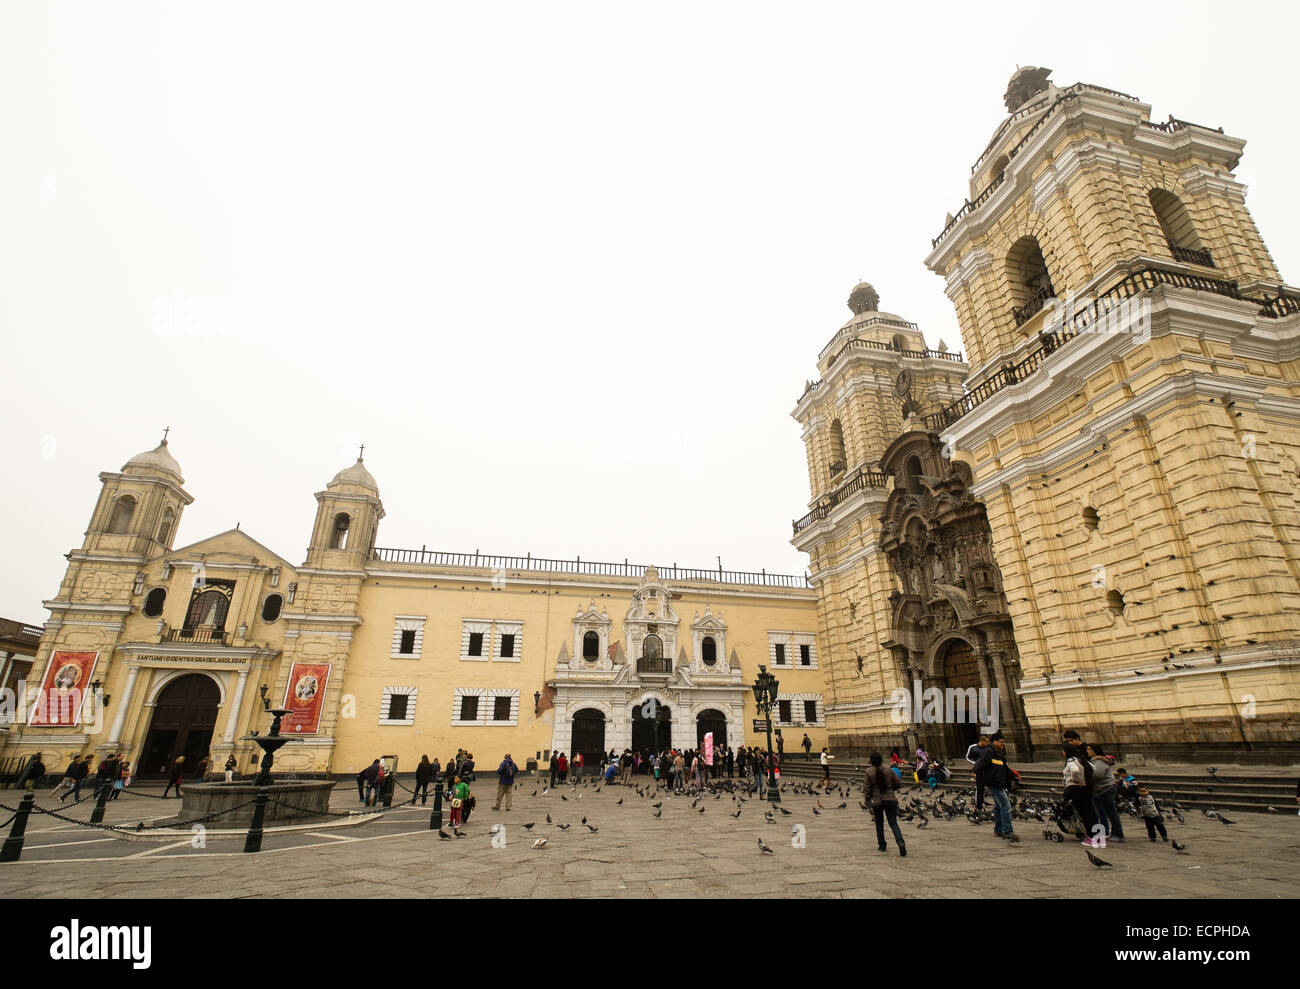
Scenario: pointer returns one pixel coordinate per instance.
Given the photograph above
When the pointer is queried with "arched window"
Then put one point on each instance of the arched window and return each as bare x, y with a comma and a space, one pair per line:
1031, 286
1179, 230
899, 343
208, 610
837, 448
653, 648
123, 510
339, 538
154, 601
708, 650
271, 607
591, 647
165, 529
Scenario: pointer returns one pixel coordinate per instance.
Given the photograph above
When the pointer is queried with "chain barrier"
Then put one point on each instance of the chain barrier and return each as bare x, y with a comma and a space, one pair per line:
10, 821
139, 827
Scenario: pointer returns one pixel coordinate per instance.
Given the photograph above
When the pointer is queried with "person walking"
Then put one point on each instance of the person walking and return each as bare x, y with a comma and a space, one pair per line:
1151, 815
124, 780
780, 746
107, 773
993, 769
175, 777
506, 782
230, 768
1076, 780
79, 774
423, 777
459, 794
32, 774
68, 778
807, 746
577, 767
1104, 794
973, 756
883, 801
826, 767
466, 769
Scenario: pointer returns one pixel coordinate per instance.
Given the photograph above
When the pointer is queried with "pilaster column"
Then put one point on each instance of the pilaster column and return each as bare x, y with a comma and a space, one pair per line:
232, 721
119, 719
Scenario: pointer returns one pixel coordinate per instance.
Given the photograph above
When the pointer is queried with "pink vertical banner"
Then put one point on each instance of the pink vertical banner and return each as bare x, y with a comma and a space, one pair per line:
708, 749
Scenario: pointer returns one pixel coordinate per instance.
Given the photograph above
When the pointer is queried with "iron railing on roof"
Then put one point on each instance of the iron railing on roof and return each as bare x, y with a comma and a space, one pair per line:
1089, 315
1190, 255
431, 558
876, 345
860, 479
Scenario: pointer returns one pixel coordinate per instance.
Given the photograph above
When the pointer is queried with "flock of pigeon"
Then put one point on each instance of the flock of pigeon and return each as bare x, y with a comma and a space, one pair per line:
917, 808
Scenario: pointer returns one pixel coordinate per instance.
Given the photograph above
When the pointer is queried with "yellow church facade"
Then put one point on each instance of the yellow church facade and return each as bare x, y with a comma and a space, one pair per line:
390, 652
1102, 522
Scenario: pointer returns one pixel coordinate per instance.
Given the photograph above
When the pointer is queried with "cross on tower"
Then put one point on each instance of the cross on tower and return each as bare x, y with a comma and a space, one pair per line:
362, 452
165, 432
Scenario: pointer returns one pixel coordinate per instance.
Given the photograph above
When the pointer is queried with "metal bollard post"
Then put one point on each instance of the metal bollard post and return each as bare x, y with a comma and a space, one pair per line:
390, 784
253, 843
13, 846
97, 815
435, 819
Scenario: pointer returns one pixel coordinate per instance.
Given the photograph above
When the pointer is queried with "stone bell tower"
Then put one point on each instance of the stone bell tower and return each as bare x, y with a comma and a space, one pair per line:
1131, 421
877, 377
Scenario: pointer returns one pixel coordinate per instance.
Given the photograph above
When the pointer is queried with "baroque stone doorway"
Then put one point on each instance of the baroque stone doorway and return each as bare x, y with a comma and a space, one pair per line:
183, 719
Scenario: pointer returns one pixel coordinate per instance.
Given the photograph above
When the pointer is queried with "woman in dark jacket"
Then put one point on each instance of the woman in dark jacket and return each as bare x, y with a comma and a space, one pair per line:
881, 784
423, 776
174, 780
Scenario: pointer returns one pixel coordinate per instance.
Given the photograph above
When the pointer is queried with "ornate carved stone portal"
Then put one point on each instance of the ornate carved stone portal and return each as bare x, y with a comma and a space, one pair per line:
950, 622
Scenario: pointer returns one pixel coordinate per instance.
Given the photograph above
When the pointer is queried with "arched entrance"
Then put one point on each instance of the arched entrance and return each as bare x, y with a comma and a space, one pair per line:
961, 672
711, 721
183, 718
652, 726
589, 735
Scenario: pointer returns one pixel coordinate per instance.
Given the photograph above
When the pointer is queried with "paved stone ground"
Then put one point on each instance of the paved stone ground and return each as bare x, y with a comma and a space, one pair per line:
633, 854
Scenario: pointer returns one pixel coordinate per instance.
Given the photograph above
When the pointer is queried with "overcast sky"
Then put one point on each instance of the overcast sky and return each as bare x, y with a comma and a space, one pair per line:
563, 268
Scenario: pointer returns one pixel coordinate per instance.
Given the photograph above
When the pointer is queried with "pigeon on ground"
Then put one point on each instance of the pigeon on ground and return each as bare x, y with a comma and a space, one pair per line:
548, 819
787, 813
539, 843
1180, 849
842, 806
563, 827
563, 797
584, 820
659, 813
620, 802
702, 810
534, 793
1099, 863
459, 834
444, 835
737, 814
529, 825
816, 812
591, 827
763, 848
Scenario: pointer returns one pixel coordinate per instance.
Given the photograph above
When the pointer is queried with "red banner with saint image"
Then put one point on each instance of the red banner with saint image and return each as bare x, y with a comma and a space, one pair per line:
64, 690
303, 698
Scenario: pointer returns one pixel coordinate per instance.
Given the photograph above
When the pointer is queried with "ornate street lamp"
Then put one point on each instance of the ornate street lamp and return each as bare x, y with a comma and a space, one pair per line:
765, 693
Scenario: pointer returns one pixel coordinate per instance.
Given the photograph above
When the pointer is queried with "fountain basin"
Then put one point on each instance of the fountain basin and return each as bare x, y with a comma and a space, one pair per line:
308, 799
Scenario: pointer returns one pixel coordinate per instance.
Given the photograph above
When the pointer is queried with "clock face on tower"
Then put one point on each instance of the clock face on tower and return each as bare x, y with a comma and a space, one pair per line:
903, 383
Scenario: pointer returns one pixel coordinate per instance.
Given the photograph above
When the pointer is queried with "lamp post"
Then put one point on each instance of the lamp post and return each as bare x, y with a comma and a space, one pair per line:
765, 688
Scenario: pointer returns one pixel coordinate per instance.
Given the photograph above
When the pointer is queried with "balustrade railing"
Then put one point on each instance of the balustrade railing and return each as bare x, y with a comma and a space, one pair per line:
860, 479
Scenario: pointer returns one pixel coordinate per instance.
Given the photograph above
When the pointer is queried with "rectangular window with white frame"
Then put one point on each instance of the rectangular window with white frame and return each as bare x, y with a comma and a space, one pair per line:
476, 640
805, 646
408, 637
397, 706
800, 710
474, 707
509, 642
779, 652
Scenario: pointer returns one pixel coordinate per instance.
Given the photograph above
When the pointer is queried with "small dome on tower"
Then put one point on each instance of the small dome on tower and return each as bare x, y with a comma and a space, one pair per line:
157, 459
863, 298
356, 475
1027, 82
